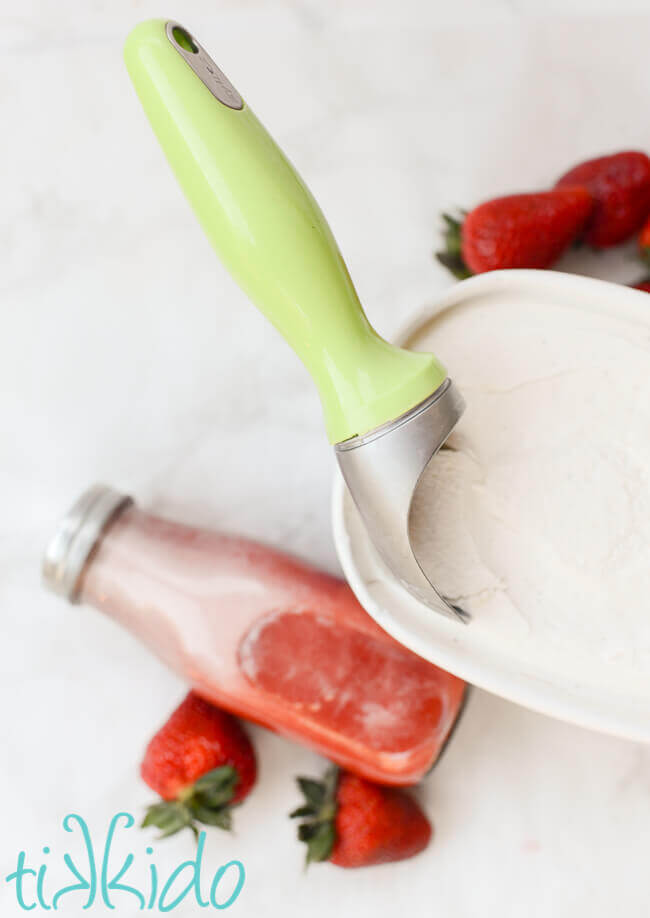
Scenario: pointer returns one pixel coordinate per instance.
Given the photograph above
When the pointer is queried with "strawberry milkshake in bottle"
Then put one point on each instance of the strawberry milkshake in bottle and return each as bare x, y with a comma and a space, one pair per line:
260, 634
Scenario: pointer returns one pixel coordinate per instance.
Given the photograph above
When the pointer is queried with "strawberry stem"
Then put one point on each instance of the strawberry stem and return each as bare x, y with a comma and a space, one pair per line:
451, 256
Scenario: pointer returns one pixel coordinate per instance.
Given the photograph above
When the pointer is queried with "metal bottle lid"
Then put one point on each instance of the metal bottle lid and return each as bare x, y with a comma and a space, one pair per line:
76, 536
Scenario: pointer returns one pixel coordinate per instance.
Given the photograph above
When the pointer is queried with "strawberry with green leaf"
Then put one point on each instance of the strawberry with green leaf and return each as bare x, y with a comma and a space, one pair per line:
517, 231
202, 763
352, 822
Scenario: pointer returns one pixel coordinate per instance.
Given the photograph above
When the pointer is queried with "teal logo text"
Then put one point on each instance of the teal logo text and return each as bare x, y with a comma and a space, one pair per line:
112, 878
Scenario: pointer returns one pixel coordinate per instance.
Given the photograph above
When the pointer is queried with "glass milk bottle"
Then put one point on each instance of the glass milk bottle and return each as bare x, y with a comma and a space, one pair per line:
258, 633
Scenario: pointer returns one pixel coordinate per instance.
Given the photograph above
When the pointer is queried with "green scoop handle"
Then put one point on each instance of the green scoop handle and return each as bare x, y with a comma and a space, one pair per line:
270, 233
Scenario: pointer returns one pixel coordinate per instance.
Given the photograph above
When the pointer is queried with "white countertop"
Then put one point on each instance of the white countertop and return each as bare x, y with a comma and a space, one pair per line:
128, 356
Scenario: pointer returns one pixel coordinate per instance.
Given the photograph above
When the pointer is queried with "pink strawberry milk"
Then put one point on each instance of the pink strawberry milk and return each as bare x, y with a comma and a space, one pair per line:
260, 634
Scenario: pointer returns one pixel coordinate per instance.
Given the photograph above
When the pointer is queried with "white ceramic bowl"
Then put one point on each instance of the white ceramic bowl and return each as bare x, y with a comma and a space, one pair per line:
563, 684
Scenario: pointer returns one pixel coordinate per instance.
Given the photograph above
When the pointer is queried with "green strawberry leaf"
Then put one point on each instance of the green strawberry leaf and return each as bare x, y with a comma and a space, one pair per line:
168, 816
454, 264
320, 844
213, 817
307, 830
219, 779
318, 814
153, 813
314, 791
302, 811
206, 801
451, 256
217, 797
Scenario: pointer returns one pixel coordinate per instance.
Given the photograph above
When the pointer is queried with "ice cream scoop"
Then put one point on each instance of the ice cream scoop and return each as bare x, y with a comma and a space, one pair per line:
387, 410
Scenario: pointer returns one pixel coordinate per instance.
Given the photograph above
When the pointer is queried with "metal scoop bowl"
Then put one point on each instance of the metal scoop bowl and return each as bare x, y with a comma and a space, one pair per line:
382, 470
387, 410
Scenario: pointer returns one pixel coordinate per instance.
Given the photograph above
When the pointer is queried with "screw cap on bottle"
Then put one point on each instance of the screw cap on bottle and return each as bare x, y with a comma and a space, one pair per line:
76, 536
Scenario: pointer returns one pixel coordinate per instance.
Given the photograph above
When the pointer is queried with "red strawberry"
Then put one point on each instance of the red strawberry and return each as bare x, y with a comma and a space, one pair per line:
642, 285
201, 763
518, 231
355, 823
620, 186
644, 241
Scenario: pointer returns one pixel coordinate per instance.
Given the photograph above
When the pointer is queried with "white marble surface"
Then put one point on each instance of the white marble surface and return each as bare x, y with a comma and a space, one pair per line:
127, 355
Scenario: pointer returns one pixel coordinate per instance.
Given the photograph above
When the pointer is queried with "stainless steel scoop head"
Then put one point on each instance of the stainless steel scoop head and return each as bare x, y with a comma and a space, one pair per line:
382, 470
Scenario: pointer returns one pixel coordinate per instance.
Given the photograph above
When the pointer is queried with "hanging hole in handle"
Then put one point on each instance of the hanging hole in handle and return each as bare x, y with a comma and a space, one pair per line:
184, 40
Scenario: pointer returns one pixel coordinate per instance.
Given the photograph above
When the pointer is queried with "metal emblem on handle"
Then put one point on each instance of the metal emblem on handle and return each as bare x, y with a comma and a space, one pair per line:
203, 65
